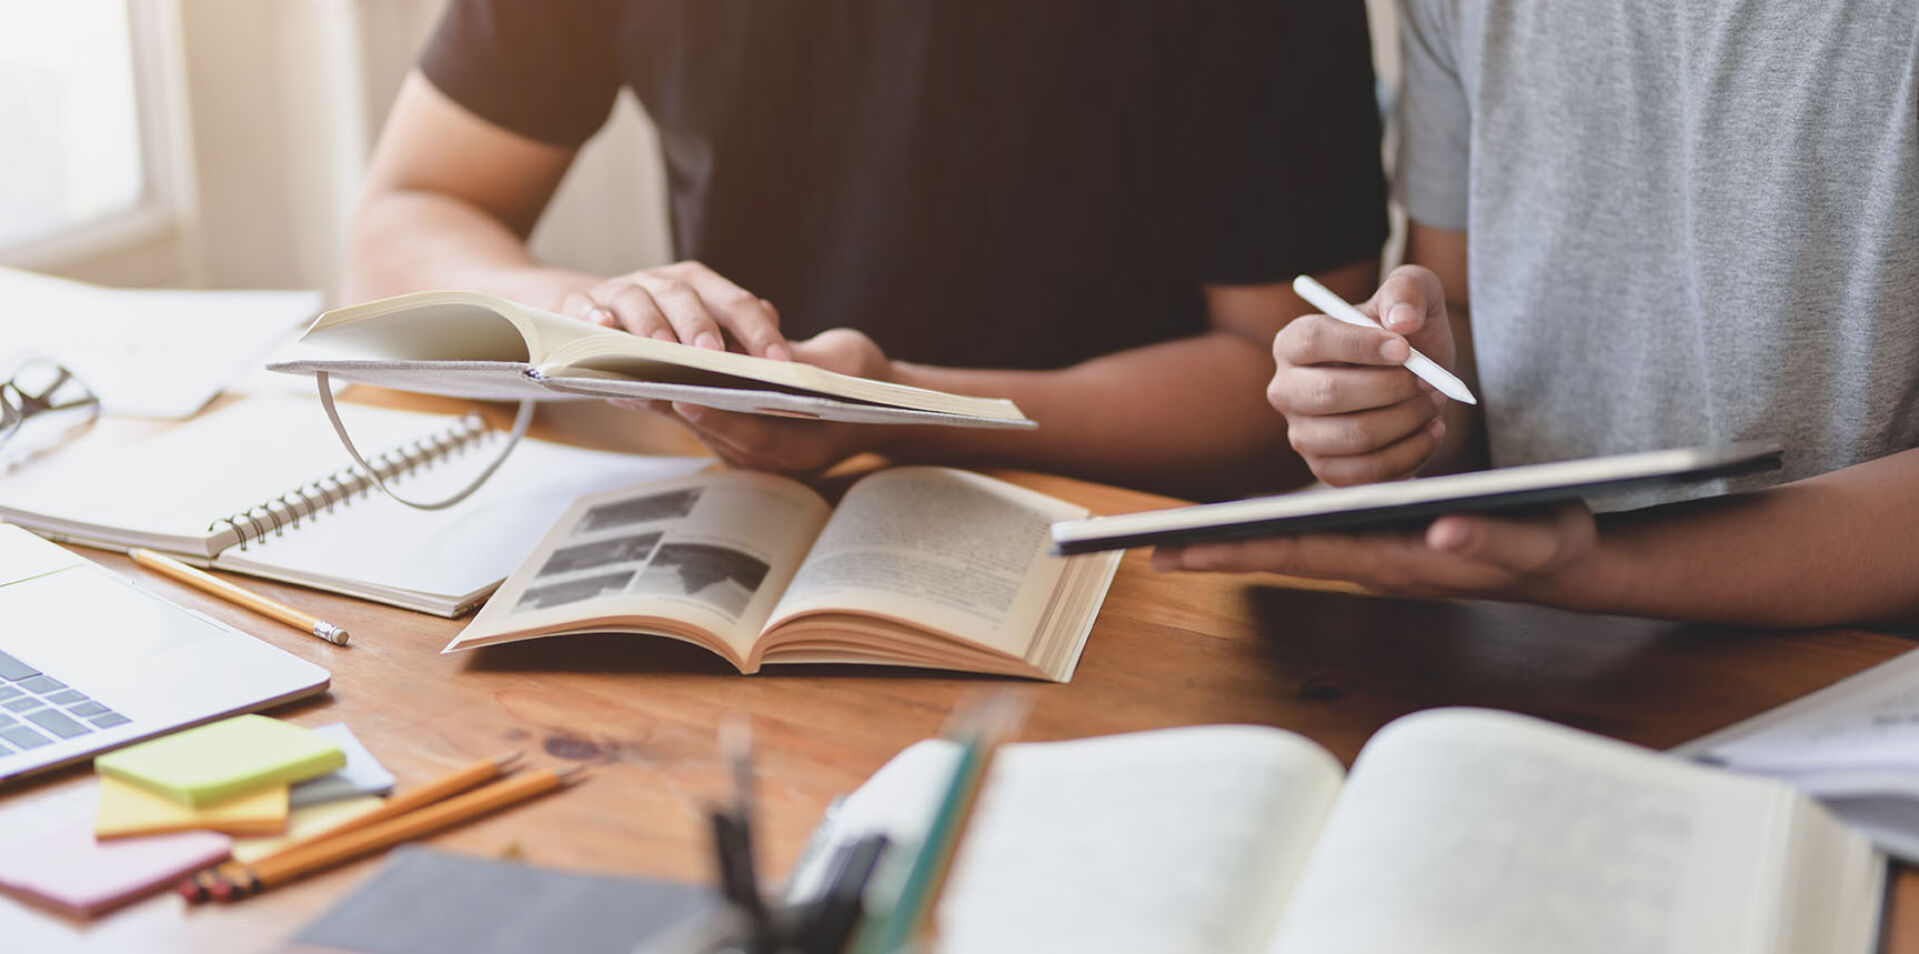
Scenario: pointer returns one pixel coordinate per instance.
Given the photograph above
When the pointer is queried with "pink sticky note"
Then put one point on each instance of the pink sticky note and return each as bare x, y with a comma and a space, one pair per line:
70, 870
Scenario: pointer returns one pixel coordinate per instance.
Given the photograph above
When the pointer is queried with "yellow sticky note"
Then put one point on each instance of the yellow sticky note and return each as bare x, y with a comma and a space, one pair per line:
304, 823
223, 760
128, 810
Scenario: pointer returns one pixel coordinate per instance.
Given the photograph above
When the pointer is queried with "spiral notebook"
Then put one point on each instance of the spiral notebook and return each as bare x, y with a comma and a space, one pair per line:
262, 487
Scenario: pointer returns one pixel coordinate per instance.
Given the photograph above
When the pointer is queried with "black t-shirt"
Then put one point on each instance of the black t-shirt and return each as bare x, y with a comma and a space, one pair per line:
974, 183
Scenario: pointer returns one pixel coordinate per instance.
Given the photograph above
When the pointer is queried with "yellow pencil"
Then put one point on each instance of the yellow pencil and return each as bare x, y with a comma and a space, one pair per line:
168, 566
200, 887
324, 853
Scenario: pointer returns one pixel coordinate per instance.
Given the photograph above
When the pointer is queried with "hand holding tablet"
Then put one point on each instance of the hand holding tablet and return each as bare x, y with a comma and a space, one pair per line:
1405, 502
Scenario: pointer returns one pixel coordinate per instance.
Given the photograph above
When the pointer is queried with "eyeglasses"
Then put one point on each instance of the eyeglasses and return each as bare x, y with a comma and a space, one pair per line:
41, 405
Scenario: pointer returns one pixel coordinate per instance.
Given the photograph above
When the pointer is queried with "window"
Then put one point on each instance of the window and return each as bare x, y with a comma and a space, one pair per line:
69, 116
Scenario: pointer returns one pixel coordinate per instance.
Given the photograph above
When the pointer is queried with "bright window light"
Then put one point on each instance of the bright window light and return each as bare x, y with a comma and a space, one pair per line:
69, 121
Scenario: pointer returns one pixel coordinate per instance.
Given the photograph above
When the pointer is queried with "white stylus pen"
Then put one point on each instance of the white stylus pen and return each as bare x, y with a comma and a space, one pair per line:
1322, 298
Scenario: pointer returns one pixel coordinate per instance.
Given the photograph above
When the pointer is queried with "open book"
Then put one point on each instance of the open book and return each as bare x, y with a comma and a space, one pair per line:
917, 566
1458, 830
474, 345
1854, 745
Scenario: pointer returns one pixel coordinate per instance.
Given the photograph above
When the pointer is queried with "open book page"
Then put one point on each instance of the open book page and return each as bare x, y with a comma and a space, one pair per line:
1466, 830
707, 554
1171, 840
446, 326
951, 551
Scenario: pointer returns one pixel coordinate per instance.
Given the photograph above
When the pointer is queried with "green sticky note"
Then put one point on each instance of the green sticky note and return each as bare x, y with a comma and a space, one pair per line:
225, 759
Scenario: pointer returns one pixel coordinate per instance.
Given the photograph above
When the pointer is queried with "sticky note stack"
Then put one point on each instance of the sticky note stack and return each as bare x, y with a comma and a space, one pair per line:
230, 776
172, 805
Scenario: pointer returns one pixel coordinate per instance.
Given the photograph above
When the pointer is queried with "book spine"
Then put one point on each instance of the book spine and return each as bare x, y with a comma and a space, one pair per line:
276, 515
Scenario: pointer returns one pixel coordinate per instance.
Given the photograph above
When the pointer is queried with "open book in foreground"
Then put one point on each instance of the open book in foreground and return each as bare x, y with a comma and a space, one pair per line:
1458, 830
917, 566
474, 345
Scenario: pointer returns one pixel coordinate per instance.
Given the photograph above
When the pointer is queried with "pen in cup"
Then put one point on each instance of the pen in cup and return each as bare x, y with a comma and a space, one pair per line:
1428, 370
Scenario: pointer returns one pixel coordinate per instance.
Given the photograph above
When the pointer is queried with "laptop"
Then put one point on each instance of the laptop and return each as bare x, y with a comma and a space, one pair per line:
91, 662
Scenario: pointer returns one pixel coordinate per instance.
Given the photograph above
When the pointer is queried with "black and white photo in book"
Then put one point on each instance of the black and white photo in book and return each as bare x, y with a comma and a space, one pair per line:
721, 577
589, 556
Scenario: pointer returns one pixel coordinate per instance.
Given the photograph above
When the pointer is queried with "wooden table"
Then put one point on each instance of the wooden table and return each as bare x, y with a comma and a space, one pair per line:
1168, 650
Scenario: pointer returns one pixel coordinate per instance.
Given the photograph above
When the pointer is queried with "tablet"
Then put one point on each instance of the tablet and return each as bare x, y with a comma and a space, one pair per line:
1410, 503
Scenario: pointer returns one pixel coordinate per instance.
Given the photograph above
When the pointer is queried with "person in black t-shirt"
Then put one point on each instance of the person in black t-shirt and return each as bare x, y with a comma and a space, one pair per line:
1089, 206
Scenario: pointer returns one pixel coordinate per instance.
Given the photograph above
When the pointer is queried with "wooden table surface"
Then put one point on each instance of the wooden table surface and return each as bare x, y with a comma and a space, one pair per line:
1168, 650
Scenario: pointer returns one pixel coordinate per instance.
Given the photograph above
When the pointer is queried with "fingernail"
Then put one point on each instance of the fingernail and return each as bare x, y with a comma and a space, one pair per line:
602, 316
1438, 429
1401, 316
1395, 350
665, 335
1438, 397
1450, 537
709, 341
691, 412
779, 352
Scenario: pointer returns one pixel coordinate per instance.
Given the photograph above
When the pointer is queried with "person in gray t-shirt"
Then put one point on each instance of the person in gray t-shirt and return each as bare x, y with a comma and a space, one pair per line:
1638, 224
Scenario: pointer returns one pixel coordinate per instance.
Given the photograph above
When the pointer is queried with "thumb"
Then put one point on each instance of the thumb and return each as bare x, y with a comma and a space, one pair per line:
1407, 299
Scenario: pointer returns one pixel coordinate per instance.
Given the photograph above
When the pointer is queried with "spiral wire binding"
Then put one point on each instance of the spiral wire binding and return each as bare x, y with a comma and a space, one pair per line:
276, 515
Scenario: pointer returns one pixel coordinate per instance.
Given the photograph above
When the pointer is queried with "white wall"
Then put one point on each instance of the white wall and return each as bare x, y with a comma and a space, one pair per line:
287, 99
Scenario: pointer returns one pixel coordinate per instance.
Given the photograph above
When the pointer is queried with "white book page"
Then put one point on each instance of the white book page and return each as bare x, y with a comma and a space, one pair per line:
714, 550
959, 552
1172, 840
1472, 831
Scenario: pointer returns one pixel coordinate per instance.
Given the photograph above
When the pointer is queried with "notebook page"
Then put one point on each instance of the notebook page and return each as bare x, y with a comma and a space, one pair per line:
380, 544
177, 482
1172, 840
1471, 831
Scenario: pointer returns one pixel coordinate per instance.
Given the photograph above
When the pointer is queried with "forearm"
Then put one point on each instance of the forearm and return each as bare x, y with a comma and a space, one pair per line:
408, 240
1186, 417
1835, 549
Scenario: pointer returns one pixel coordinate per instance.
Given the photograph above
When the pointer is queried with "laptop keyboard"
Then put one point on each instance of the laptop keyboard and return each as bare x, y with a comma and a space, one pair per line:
36, 709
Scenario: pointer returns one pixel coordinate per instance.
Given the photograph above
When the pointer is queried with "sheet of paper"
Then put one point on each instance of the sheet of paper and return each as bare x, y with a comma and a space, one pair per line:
147, 352
67, 868
304, 823
1865, 726
363, 774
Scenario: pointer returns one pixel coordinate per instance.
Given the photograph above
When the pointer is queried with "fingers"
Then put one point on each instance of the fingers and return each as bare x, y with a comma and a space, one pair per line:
1399, 459
1406, 299
763, 443
752, 320
582, 306
1521, 545
1459, 555
685, 302
1319, 339
637, 311
1320, 390
1363, 432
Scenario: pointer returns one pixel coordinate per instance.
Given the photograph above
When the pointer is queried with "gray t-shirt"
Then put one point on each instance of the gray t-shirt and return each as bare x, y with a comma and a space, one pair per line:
1690, 222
